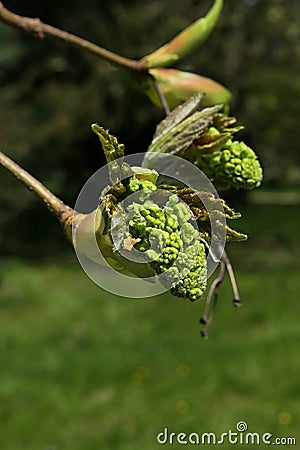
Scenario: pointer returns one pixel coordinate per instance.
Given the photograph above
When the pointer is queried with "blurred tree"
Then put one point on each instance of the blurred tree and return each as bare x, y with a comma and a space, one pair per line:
51, 93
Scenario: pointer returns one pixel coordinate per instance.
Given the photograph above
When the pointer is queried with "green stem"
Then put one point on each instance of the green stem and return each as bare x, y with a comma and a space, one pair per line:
55, 205
40, 30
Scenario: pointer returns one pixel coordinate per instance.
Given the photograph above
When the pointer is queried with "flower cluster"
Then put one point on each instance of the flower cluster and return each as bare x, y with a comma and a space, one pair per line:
171, 242
235, 165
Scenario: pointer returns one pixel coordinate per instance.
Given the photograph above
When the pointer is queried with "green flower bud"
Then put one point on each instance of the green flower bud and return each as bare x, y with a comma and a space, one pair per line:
234, 165
172, 244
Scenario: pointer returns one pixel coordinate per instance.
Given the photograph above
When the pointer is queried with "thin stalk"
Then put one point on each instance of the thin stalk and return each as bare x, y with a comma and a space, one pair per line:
212, 296
55, 205
236, 299
40, 30
162, 97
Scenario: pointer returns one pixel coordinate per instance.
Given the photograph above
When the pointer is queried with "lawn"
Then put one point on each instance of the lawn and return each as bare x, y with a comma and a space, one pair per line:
81, 369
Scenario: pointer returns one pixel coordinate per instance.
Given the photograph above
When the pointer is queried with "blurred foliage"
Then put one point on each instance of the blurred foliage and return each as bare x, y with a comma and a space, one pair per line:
50, 94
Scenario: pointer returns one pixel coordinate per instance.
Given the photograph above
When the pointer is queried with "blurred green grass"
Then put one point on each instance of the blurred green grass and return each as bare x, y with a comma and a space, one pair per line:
81, 369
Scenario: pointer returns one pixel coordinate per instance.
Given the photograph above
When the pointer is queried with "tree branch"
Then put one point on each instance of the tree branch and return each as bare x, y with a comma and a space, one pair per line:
42, 30
55, 205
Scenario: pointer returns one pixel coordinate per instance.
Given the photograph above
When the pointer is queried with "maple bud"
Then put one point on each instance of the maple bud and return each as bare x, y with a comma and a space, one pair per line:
177, 86
185, 42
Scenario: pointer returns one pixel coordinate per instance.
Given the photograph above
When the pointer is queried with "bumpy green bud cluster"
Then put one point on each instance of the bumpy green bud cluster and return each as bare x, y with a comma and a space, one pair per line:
136, 184
234, 165
171, 243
